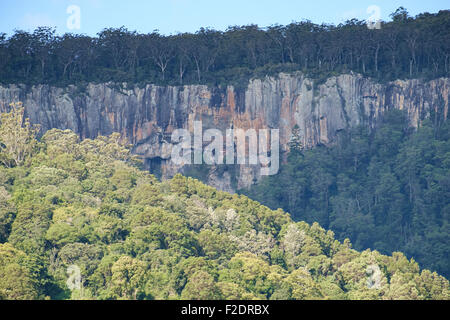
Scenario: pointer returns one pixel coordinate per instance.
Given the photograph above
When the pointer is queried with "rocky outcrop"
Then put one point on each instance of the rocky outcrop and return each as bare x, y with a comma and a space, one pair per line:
147, 116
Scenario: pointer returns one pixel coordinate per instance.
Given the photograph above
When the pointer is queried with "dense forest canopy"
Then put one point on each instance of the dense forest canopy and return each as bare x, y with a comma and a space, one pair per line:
67, 205
388, 189
405, 47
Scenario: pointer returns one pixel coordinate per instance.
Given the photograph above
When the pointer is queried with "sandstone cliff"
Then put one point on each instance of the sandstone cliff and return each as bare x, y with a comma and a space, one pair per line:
146, 116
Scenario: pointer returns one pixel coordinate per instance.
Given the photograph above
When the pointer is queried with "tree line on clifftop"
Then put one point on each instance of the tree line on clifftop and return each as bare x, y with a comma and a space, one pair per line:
406, 47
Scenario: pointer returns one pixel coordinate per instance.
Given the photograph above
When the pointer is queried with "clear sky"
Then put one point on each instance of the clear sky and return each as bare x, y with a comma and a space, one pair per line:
172, 16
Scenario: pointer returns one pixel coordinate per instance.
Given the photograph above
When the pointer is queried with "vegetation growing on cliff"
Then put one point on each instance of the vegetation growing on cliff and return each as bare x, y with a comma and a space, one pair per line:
87, 205
405, 47
387, 190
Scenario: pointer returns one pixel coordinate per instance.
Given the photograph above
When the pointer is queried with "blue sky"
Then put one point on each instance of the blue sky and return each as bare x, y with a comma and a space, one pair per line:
172, 16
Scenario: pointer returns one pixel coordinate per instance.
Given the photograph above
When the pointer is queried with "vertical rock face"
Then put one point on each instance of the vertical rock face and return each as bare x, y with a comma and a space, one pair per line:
147, 116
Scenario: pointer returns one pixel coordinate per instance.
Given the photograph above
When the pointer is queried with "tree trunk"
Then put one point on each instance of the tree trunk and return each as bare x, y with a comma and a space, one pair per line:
376, 57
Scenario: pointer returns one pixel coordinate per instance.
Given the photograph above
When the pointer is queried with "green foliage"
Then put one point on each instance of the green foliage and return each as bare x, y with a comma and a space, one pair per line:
386, 189
86, 204
201, 286
7, 214
16, 273
17, 136
402, 48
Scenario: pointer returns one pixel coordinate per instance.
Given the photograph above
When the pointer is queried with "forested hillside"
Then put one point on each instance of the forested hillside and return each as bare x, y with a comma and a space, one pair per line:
387, 190
66, 203
406, 47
